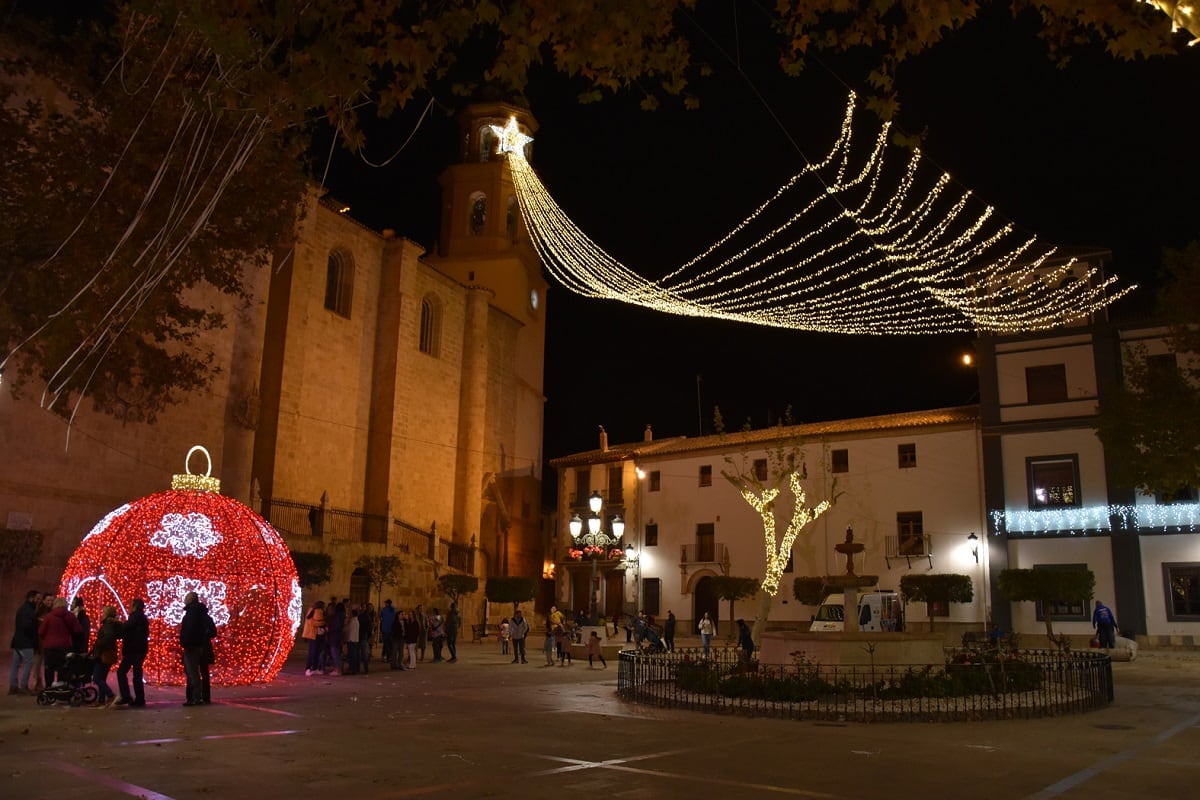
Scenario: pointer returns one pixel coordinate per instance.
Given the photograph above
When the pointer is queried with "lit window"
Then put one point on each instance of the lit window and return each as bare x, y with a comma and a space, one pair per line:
1053, 482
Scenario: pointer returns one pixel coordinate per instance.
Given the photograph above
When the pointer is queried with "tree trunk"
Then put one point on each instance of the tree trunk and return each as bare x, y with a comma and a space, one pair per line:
760, 622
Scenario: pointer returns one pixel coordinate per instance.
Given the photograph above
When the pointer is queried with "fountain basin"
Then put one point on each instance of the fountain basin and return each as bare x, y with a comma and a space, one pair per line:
852, 648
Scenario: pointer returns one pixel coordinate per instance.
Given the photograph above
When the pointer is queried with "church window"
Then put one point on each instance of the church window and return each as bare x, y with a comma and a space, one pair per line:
430, 326
487, 143
339, 283
478, 214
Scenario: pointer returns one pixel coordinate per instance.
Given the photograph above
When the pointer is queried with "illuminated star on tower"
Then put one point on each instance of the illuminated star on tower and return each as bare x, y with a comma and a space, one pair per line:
511, 138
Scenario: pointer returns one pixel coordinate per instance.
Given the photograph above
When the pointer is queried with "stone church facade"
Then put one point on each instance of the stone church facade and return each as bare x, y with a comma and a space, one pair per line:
370, 399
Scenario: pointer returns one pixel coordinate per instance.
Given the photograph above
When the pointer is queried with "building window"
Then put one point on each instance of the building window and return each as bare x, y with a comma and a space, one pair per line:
907, 454
511, 213
760, 469
706, 475
615, 492
487, 143
477, 213
1046, 384
431, 324
339, 283
655, 481
910, 533
1069, 611
839, 461
706, 542
650, 535
1182, 584
937, 608
652, 595
1053, 481
583, 486
1184, 495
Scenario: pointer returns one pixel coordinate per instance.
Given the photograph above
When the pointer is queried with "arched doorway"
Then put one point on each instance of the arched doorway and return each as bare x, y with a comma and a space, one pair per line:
704, 598
360, 587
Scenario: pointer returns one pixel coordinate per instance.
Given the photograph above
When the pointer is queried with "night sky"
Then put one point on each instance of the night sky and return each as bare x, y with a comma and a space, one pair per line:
1099, 154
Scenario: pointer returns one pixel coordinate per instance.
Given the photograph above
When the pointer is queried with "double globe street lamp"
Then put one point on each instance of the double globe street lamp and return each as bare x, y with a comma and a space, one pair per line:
595, 542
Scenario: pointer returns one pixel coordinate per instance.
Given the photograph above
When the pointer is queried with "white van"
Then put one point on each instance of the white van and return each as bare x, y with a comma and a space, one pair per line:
879, 610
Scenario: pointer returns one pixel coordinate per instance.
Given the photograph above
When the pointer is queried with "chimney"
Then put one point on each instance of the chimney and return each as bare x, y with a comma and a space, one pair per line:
648, 435
603, 440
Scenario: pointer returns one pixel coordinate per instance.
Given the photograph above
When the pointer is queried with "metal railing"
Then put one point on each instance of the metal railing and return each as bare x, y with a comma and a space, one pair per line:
711, 553
357, 526
289, 516
1022, 684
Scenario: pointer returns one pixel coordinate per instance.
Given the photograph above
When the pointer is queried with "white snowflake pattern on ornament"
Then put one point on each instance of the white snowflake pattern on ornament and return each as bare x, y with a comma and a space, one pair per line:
103, 524
190, 535
295, 605
164, 599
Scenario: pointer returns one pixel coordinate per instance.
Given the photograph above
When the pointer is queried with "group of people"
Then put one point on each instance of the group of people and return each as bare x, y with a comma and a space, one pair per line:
340, 636
46, 633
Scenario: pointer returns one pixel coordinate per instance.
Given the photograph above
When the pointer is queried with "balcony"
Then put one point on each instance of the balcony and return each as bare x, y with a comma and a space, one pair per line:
702, 553
908, 547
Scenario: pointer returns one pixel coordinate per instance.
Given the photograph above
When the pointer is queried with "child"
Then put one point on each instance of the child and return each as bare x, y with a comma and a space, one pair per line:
550, 640
504, 636
564, 644
593, 649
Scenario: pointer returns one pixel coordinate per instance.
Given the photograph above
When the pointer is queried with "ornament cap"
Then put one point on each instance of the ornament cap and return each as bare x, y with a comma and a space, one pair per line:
197, 483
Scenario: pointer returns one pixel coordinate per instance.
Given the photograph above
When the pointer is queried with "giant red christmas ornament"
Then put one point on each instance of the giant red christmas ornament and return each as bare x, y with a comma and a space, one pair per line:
193, 539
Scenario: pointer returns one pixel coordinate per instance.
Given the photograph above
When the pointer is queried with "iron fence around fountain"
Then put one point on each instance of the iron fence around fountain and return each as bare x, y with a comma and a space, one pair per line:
1066, 683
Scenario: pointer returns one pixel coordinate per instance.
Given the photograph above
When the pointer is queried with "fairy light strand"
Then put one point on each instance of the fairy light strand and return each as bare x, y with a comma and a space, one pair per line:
872, 248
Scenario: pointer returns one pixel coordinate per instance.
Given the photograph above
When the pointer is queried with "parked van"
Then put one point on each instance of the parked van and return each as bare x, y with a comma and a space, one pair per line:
879, 610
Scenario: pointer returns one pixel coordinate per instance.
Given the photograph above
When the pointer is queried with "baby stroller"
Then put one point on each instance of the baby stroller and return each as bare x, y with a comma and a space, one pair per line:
654, 642
77, 688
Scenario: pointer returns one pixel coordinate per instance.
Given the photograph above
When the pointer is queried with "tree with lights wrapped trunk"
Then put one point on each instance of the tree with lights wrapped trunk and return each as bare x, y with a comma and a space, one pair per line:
761, 488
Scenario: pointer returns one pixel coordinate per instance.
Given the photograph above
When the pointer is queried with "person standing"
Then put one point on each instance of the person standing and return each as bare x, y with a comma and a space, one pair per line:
366, 633
745, 642
453, 623
387, 624
669, 631
314, 634
518, 629
556, 620
437, 633
80, 643
549, 643
56, 632
196, 633
335, 631
104, 652
24, 640
422, 631
707, 629
412, 632
562, 638
503, 636
352, 641
595, 651
1105, 623
135, 645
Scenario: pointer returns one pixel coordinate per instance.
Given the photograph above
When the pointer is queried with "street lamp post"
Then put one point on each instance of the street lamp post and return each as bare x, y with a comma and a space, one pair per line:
595, 542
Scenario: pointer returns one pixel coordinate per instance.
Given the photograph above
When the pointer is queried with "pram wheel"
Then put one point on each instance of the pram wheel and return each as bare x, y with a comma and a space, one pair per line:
44, 699
84, 695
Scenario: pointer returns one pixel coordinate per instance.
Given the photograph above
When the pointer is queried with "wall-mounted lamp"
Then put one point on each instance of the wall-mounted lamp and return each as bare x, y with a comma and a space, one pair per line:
973, 540
631, 555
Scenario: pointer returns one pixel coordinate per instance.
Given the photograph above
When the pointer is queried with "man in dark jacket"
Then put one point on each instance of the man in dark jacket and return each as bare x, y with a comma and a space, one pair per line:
24, 641
196, 633
136, 644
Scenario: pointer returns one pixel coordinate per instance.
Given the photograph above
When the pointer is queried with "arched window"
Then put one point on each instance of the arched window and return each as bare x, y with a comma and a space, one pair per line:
360, 588
339, 283
487, 143
477, 214
510, 218
431, 324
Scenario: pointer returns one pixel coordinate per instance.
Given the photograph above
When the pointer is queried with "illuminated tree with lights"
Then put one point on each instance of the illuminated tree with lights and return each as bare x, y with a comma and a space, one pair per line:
785, 467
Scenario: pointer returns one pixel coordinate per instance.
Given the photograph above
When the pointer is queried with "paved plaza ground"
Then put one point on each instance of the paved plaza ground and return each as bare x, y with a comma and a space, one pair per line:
484, 727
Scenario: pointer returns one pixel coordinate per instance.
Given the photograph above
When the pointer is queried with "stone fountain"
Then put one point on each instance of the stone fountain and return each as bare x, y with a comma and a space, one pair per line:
851, 646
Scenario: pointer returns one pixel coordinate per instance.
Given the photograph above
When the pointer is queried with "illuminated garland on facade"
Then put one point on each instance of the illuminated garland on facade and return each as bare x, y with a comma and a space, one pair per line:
1096, 519
850, 245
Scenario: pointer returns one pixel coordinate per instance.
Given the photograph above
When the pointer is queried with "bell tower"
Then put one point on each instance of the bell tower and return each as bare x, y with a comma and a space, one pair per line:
484, 246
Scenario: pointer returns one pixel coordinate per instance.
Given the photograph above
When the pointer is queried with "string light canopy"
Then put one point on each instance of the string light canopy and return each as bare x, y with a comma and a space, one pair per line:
858, 243
193, 539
